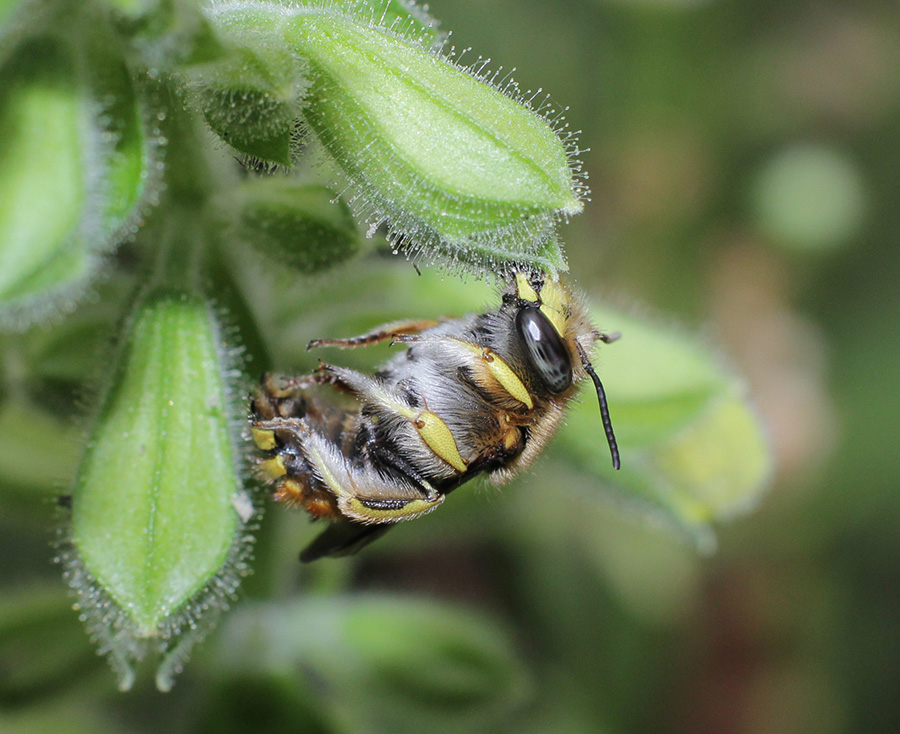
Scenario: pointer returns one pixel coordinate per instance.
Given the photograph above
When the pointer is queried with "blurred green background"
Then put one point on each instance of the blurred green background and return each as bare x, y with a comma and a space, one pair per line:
744, 161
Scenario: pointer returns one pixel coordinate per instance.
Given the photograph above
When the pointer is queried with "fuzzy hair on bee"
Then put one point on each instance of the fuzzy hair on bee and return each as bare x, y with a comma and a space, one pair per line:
476, 395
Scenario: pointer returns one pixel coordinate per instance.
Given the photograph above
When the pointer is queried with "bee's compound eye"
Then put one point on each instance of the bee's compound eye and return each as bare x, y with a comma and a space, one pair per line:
546, 349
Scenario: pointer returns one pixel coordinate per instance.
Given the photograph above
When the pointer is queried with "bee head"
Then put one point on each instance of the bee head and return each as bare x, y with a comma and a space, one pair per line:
543, 323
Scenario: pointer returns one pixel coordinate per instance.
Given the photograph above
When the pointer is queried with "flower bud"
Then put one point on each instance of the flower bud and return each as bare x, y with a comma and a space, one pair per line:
693, 449
299, 226
158, 516
457, 169
75, 161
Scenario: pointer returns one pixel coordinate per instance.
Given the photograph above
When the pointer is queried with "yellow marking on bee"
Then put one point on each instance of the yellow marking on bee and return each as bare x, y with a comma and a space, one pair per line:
431, 428
511, 438
437, 436
290, 490
388, 400
351, 505
506, 377
408, 511
553, 306
322, 470
264, 439
524, 289
501, 372
274, 467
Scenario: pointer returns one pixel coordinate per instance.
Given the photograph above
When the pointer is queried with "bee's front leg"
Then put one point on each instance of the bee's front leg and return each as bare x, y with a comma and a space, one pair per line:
381, 333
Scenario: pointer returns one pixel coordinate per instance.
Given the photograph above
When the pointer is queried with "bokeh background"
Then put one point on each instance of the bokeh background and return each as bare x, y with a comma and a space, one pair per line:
744, 161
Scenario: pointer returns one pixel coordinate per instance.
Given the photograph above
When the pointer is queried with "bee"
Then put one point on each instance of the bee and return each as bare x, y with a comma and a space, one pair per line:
481, 394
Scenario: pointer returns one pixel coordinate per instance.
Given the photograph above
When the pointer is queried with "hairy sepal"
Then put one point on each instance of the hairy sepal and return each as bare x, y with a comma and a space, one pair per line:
458, 170
159, 530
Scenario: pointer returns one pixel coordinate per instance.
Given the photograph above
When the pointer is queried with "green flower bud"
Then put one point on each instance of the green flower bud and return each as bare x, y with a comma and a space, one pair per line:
693, 450
458, 169
297, 225
75, 162
158, 531
251, 94
42, 161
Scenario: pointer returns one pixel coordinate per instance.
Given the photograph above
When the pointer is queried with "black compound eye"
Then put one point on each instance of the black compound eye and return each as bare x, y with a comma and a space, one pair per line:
546, 350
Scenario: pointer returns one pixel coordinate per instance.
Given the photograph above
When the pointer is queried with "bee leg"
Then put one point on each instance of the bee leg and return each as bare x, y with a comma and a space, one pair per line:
282, 396
370, 508
284, 387
276, 391
341, 538
431, 428
396, 462
382, 333
362, 494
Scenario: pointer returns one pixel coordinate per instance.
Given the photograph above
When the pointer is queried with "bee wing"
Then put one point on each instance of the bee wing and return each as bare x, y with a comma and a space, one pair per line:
341, 538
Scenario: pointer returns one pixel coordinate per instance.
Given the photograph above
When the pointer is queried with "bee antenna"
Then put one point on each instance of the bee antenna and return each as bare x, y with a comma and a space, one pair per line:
604, 408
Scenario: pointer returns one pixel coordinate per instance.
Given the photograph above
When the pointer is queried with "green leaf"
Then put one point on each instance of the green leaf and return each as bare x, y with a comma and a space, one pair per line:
300, 226
379, 663
693, 449
42, 647
460, 171
38, 453
10, 13
75, 162
158, 514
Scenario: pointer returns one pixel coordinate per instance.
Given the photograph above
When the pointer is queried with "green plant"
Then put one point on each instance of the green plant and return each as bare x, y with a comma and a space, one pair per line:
122, 209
